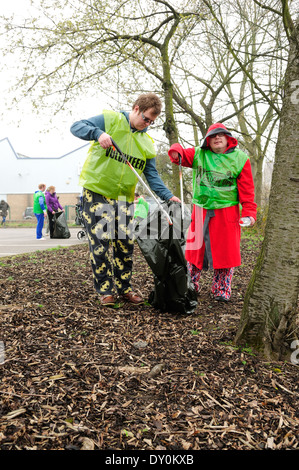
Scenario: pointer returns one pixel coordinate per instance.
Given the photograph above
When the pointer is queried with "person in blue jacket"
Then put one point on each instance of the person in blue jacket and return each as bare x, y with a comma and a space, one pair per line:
110, 184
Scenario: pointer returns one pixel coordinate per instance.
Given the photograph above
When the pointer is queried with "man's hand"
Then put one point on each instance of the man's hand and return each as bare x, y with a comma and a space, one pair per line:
105, 140
175, 199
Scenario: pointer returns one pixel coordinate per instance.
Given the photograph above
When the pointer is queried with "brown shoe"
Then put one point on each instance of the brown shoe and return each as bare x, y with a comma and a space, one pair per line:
133, 298
107, 300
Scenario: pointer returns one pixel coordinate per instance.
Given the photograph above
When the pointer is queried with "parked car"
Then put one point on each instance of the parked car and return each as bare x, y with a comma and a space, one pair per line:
28, 214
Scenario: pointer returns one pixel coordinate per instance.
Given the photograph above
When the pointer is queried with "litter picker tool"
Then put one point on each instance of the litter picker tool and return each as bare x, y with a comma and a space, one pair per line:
181, 185
142, 182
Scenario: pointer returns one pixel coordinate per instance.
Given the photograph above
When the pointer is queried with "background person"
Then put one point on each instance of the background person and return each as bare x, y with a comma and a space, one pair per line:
53, 206
3, 211
40, 209
109, 187
222, 179
141, 206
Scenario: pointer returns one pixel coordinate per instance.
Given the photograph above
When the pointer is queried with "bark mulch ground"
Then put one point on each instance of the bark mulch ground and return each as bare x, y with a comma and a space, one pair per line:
79, 376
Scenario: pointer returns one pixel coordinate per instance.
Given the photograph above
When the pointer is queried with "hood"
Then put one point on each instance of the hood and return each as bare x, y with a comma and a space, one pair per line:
214, 129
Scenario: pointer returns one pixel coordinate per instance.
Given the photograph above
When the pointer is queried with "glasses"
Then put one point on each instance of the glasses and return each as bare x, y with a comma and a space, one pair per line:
220, 134
147, 120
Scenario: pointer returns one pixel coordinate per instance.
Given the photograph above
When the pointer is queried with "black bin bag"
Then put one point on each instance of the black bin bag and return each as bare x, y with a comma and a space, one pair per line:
163, 247
61, 229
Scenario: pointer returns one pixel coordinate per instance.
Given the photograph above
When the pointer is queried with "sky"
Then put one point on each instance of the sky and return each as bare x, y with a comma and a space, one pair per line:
31, 134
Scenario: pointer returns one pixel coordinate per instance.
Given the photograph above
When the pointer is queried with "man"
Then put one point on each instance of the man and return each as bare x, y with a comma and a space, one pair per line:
222, 179
109, 188
40, 209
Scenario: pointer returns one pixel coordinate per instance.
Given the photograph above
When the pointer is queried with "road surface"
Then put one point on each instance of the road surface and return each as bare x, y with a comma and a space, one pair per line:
14, 241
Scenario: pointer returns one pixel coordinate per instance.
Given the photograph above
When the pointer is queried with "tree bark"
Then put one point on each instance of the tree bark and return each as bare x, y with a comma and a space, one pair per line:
170, 126
268, 321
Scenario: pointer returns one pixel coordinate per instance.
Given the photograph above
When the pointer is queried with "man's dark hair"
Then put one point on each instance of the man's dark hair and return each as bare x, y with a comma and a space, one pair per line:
147, 101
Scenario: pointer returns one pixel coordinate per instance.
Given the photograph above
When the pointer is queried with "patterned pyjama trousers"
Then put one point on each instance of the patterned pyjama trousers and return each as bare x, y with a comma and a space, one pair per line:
222, 280
109, 226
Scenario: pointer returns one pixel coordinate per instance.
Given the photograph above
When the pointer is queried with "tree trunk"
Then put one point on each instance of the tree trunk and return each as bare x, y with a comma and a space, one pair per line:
268, 321
258, 181
170, 127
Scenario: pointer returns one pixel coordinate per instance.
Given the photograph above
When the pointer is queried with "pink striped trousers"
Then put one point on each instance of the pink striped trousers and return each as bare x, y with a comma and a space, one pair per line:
222, 280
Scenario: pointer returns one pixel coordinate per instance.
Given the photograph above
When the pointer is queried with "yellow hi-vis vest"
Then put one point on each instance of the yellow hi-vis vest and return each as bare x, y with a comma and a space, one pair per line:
104, 171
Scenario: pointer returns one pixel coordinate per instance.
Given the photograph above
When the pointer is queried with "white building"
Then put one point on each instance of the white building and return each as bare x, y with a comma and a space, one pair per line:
20, 176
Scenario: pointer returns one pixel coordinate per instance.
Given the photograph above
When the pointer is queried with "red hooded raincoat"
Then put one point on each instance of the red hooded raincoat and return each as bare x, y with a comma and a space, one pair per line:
214, 235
